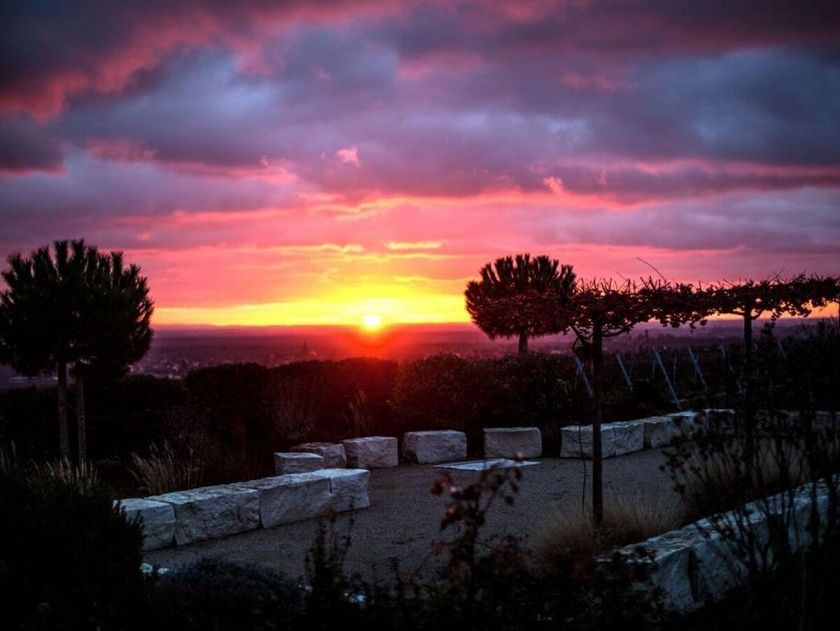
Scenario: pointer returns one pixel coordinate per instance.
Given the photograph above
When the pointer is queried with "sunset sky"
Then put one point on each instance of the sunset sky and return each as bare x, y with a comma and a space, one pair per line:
319, 162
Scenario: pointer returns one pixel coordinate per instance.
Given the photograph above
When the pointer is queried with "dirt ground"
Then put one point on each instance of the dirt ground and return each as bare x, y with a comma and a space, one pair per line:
403, 520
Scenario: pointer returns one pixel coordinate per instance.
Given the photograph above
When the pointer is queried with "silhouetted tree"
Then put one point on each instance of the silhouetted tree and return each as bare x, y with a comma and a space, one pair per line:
520, 297
74, 308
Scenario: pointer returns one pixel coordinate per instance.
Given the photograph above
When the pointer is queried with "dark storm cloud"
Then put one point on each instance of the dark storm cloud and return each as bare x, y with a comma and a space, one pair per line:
149, 108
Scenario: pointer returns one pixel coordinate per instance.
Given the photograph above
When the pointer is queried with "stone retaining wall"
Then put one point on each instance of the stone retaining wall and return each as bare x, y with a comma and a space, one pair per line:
626, 437
694, 565
211, 512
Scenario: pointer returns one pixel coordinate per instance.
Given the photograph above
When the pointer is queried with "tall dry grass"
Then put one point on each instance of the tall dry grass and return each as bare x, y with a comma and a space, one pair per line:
164, 470
627, 519
82, 476
716, 482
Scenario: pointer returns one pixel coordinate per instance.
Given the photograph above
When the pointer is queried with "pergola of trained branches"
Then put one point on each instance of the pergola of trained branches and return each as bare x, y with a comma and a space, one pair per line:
603, 308
774, 297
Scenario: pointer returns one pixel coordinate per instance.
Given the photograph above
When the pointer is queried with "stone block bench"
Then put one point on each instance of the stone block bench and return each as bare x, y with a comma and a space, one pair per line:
616, 439
293, 462
211, 512
371, 452
693, 565
348, 488
285, 499
510, 442
158, 519
334, 455
432, 447
659, 431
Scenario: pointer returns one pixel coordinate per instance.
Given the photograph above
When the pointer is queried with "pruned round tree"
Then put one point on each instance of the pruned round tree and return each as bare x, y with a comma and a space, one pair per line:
521, 297
73, 307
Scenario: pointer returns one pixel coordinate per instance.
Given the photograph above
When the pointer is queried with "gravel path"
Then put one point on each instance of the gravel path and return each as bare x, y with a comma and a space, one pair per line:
404, 517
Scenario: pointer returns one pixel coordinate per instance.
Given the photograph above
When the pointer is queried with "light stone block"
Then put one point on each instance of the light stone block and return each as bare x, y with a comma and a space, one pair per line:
577, 441
688, 423
158, 519
289, 498
695, 564
371, 452
348, 488
510, 442
431, 447
627, 437
293, 462
334, 455
212, 512
659, 431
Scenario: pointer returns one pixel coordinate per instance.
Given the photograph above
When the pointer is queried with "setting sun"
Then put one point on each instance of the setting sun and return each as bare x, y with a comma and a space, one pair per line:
372, 322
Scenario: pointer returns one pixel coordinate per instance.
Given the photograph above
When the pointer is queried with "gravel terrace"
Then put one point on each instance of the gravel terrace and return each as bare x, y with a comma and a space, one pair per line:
404, 517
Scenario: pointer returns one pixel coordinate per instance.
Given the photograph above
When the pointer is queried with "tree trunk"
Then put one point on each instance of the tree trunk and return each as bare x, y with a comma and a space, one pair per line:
748, 384
523, 342
81, 425
63, 429
597, 417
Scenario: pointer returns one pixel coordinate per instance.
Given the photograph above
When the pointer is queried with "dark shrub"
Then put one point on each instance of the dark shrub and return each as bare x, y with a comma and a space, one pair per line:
447, 391
213, 594
323, 391
439, 391
527, 390
28, 419
68, 559
126, 415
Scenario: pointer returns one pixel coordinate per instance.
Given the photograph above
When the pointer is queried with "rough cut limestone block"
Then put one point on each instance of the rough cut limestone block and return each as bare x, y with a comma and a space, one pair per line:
717, 421
371, 452
158, 520
348, 488
289, 498
508, 442
659, 431
688, 423
696, 564
434, 446
577, 441
628, 437
292, 462
213, 511
616, 439
333, 453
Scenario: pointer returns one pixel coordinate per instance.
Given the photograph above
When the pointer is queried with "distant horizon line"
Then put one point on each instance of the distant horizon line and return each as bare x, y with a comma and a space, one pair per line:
416, 325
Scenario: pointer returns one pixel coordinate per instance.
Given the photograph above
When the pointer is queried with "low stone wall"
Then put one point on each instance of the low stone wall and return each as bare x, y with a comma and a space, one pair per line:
694, 565
434, 446
334, 455
371, 452
184, 517
294, 462
626, 437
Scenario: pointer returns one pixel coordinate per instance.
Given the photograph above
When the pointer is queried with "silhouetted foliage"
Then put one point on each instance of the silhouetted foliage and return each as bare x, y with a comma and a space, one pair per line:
68, 559
447, 391
520, 297
73, 306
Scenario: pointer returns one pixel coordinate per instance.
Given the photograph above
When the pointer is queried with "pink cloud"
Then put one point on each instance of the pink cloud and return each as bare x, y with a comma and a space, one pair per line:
349, 155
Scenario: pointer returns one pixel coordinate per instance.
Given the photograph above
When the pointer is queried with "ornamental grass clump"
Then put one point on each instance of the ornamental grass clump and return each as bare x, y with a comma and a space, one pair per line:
626, 520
